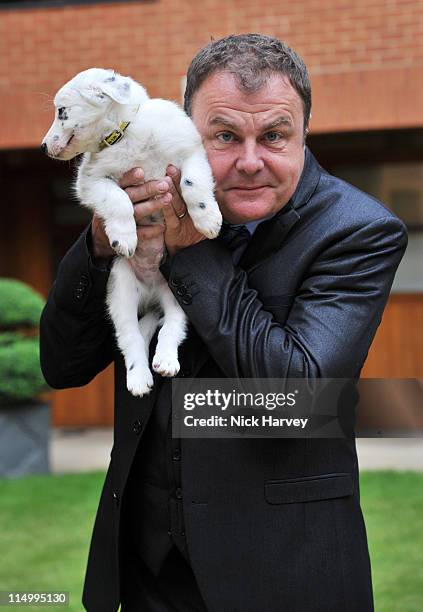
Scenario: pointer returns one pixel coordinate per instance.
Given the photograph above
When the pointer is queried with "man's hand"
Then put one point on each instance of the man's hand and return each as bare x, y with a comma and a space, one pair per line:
101, 248
164, 195
149, 198
180, 231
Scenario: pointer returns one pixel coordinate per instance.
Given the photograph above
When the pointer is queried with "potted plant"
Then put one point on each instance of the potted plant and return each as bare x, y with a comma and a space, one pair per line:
24, 416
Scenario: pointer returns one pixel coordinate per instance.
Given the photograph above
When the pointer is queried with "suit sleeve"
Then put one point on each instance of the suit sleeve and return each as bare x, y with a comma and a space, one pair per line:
330, 326
76, 337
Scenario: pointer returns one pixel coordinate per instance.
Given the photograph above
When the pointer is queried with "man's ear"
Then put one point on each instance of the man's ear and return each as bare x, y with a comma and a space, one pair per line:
117, 87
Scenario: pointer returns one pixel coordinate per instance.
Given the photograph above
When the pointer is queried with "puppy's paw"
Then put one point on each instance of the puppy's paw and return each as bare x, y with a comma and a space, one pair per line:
207, 220
123, 238
139, 380
166, 364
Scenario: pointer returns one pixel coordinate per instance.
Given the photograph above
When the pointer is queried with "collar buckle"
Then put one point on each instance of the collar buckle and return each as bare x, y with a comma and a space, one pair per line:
114, 136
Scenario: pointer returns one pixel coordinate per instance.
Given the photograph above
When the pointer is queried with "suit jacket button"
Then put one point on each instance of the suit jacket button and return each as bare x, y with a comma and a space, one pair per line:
181, 290
178, 493
187, 299
116, 498
137, 427
176, 454
175, 282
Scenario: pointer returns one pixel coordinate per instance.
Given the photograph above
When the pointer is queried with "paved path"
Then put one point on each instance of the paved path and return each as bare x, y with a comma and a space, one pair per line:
80, 450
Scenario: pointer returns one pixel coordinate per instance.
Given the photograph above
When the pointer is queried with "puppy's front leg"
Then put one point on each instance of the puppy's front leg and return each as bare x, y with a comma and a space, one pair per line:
123, 298
112, 204
197, 190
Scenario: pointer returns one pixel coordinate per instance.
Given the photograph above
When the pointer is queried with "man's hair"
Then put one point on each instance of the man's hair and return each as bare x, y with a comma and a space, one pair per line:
251, 58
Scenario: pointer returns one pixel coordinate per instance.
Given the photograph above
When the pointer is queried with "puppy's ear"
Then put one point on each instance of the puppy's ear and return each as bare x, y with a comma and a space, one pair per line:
117, 87
93, 95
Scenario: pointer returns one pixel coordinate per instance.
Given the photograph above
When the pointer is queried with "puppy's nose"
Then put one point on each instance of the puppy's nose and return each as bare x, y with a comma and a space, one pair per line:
44, 147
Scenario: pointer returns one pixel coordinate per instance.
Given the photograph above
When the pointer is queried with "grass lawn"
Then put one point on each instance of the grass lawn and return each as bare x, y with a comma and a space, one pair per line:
45, 531
46, 522
392, 504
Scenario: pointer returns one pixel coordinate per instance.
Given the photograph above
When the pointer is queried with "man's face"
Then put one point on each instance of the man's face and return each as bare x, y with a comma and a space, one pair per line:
254, 143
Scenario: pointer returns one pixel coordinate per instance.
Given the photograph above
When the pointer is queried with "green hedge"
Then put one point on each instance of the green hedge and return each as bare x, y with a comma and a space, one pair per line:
19, 305
21, 379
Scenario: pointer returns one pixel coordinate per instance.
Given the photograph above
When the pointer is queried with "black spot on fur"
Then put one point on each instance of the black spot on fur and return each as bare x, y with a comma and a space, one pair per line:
131, 367
202, 205
115, 243
110, 79
188, 183
62, 114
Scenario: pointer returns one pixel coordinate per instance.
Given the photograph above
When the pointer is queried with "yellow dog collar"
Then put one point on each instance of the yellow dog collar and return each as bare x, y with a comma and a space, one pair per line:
114, 136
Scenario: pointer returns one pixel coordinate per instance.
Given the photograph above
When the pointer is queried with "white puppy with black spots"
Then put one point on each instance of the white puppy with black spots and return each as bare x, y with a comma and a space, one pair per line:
111, 119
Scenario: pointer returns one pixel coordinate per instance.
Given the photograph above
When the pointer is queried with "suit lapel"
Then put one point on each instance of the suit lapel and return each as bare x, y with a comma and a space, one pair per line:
267, 239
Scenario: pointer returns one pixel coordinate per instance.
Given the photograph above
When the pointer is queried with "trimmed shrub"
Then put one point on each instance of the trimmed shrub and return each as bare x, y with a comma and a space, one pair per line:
21, 380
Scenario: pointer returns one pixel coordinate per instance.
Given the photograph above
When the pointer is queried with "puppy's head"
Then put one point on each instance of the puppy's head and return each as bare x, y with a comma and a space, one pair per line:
84, 112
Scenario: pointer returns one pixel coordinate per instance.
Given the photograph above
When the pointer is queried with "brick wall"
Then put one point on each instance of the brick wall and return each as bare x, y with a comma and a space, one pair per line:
365, 56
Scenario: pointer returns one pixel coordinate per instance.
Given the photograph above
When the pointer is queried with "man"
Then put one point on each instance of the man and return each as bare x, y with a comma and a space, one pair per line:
236, 525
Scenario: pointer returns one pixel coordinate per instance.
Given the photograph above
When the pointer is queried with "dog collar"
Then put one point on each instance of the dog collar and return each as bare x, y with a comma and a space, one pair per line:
114, 136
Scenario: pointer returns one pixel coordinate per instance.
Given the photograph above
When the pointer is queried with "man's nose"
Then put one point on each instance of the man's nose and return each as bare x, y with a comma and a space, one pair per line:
250, 160
44, 147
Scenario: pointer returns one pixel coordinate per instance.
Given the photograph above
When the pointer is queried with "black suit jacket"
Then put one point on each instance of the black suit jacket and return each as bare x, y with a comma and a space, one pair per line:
271, 524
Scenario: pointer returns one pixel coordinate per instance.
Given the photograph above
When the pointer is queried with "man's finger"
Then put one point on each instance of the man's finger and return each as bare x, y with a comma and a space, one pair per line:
147, 191
150, 207
132, 177
175, 175
178, 203
171, 220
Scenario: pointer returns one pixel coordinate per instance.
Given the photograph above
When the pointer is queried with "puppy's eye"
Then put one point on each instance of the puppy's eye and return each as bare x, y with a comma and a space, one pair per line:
61, 113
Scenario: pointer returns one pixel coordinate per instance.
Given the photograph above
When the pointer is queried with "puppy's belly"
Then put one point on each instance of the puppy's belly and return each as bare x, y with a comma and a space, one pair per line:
147, 273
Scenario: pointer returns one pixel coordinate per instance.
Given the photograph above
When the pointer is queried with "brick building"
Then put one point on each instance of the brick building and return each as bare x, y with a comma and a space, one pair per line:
366, 64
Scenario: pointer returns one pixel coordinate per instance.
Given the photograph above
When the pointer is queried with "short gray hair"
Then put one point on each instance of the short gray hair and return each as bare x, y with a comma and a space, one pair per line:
250, 58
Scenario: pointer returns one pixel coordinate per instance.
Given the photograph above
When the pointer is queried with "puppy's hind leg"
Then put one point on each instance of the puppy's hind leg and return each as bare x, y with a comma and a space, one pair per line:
123, 298
172, 333
147, 326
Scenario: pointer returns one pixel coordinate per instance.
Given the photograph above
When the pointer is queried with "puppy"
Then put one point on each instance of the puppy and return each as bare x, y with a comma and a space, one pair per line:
112, 121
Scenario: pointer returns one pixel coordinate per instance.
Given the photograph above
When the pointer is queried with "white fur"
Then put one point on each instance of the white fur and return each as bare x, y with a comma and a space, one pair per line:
92, 105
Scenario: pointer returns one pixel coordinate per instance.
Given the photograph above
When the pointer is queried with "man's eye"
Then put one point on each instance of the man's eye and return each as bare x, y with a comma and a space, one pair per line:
272, 136
225, 137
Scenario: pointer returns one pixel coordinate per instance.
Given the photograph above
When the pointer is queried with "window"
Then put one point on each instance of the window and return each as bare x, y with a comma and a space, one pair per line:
387, 164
